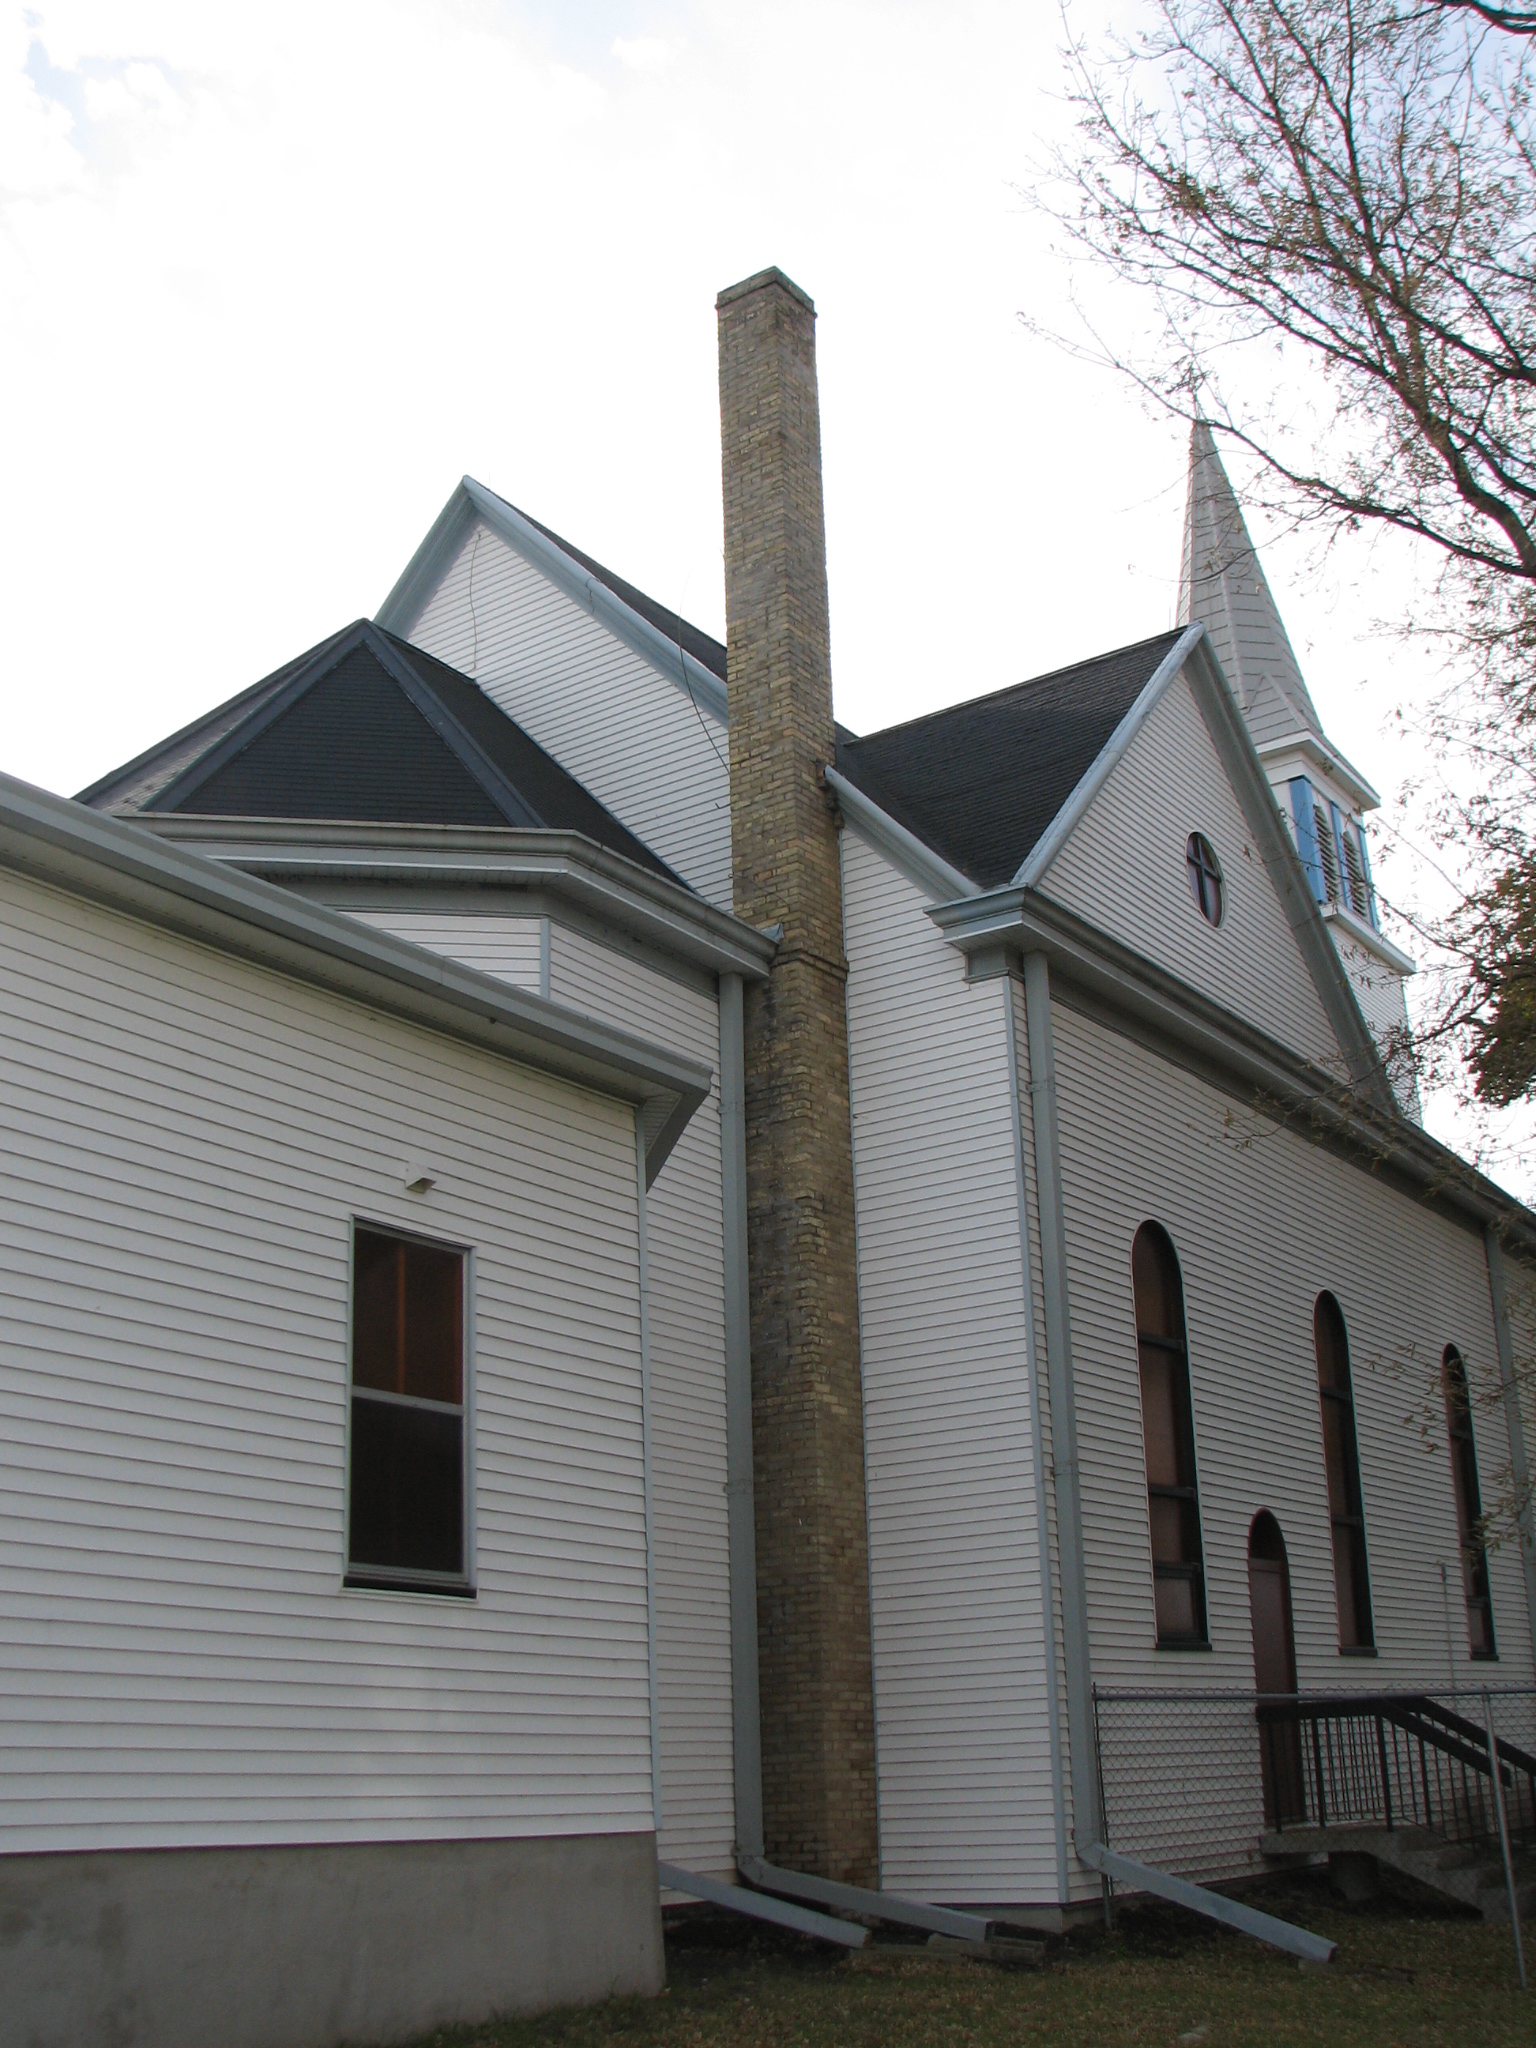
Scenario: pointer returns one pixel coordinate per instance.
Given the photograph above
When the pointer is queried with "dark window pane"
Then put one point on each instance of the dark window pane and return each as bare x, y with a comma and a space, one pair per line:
1336, 1453
1154, 1276
1332, 1345
434, 1326
1159, 1417
1178, 1609
407, 1488
377, 1357
407, 1318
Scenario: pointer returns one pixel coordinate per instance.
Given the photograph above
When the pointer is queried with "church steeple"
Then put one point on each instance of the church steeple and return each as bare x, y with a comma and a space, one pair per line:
1222, 585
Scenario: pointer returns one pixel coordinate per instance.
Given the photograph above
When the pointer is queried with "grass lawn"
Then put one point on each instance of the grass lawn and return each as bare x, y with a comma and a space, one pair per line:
1406, 1973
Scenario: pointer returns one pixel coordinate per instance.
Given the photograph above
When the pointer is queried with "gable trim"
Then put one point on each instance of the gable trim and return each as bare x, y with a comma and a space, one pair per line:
1066, 820
917, 861
240, 735
471, 501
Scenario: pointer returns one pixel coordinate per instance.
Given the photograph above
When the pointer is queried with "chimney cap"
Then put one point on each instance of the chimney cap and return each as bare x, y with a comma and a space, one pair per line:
756, 283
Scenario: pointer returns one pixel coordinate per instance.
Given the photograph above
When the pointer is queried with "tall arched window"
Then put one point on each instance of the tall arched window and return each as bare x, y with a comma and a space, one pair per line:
1469, 1503
1351, 1581
1173, 1501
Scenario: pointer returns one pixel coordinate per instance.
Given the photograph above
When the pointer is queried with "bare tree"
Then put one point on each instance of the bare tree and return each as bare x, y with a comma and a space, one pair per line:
1355, 182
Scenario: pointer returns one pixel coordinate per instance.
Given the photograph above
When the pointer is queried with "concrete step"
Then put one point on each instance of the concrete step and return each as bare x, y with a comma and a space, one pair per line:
1457, 1871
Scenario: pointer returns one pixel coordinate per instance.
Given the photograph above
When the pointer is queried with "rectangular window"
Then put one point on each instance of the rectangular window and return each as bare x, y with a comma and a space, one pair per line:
405, 1495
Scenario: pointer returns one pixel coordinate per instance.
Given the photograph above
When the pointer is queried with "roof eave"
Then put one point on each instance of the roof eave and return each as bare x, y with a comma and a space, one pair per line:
1317, 750
1212, 1042
567, 866
118, 863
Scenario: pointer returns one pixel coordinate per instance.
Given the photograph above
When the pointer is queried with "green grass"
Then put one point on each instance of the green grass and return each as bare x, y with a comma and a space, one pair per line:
1407, 1973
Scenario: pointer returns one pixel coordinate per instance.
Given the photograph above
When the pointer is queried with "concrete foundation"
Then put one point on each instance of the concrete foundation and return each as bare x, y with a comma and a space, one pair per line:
311, 1946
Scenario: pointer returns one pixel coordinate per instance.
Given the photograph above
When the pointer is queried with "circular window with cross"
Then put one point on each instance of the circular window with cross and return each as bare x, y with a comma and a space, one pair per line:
1205, 883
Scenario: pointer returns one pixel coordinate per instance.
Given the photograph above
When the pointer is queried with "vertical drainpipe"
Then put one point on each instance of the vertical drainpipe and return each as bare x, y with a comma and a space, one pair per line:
645, 1457
1037, 1431
1519, 1468
1086, 1823
746, 1734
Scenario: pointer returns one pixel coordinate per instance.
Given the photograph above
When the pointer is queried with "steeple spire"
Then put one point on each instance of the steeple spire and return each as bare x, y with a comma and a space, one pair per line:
1222, 585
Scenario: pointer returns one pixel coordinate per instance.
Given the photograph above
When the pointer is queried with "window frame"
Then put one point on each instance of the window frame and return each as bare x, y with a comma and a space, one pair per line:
1467, 1541
384, 1578
1343, 1399
1190, 1570
1202, 864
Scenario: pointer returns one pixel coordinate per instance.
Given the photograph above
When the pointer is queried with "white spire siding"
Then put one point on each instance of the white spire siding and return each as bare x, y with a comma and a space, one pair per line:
1222, 585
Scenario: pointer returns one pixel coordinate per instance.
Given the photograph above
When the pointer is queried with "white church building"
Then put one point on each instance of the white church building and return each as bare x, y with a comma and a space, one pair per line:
609, 1288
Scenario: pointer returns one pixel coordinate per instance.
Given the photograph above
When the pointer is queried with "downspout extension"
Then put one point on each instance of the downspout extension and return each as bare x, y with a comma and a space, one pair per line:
853, 1898
1143, 1877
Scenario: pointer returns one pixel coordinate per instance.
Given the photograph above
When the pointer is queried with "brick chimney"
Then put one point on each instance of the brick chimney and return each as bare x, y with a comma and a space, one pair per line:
807, 1407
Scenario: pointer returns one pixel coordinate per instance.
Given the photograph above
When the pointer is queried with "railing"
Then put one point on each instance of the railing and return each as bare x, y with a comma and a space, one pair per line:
1192, 1781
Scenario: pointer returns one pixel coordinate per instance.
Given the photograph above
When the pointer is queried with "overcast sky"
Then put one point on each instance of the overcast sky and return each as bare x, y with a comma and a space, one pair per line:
272, 278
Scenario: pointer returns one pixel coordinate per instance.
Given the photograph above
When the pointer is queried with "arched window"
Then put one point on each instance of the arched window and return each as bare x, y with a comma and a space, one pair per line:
1173, 1502
1351, 1580
1469, 1503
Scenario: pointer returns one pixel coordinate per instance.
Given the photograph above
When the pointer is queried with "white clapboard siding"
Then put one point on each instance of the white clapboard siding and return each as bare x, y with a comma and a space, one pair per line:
957, 1611
685, 1300
642, 743
511, 948
1383, 1003
1123, 869
1262, 1222
185, 1139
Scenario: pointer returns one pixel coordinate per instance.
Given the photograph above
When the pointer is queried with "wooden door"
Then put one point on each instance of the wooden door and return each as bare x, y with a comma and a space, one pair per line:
1274, 1671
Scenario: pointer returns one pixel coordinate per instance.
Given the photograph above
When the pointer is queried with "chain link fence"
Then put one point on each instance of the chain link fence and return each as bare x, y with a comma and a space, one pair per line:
1193, 1782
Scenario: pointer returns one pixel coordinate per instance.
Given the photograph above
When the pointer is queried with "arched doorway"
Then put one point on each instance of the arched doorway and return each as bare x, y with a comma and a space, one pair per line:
1274, 1670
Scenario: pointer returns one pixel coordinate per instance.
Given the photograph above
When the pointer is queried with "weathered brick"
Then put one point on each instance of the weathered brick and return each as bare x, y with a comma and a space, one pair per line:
807, 1408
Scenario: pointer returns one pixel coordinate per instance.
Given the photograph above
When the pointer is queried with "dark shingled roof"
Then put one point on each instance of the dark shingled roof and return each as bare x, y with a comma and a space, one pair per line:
365, 728
981, 782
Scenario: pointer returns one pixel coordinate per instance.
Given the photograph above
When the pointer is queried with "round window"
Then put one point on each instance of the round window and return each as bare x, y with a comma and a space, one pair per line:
1204, 877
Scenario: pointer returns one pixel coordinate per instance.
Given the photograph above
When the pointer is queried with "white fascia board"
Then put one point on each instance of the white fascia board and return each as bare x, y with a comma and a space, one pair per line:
1308, 747
405, 603
1368, 939
1109, 980
562, 865
128, 869
1067, 818
928, 869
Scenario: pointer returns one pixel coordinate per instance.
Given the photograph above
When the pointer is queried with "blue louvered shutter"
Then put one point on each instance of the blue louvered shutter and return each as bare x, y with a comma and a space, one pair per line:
1370, 884
1303, 811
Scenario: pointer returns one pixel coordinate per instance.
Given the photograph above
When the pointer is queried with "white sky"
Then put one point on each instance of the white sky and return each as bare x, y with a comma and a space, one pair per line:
273, 277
